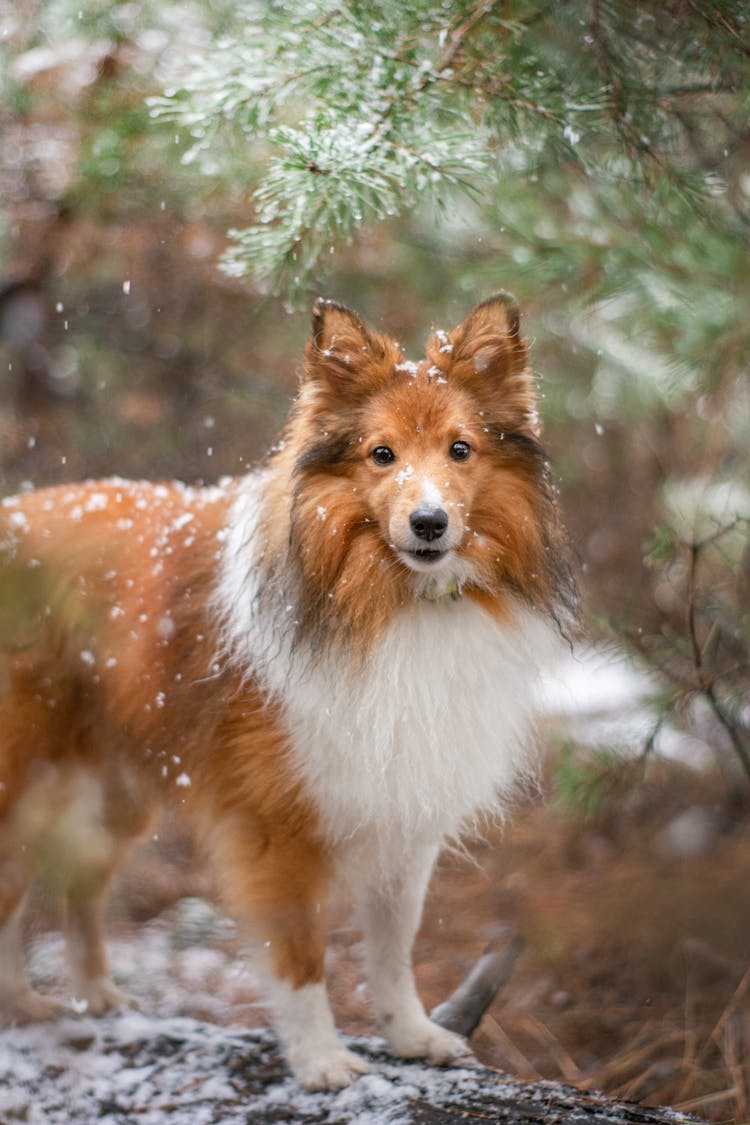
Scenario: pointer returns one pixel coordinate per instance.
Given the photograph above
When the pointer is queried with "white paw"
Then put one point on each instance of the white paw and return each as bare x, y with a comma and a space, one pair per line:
332, 1069
29, 1007
95, 997
427, 1040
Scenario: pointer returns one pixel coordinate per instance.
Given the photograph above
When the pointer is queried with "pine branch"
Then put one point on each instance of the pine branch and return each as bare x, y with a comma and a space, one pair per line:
428, 101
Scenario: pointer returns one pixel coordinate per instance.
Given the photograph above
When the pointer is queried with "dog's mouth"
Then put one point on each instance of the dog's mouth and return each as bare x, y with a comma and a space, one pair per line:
422, 558
426, 554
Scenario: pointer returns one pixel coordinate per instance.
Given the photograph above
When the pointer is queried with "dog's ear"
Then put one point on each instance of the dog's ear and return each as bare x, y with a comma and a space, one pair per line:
489, 340
488, 351
333, 324
344, 356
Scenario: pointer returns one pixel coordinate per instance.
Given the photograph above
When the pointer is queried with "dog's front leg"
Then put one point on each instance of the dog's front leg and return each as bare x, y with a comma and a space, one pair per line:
391, 908
276, 889
304, 1023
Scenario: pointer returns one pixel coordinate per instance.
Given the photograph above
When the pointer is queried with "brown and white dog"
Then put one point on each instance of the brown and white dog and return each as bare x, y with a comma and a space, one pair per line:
327, 665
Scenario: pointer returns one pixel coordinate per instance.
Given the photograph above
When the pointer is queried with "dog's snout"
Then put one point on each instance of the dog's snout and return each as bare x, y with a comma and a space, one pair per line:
428, 523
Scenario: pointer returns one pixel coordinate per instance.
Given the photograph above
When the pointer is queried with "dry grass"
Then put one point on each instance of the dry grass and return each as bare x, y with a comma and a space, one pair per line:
636, 976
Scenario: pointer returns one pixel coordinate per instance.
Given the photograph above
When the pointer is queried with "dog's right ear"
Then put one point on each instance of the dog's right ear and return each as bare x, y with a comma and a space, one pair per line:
344, 356
333, 323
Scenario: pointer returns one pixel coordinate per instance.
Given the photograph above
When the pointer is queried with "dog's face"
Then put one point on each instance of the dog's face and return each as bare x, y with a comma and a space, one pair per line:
424, 460
435, 462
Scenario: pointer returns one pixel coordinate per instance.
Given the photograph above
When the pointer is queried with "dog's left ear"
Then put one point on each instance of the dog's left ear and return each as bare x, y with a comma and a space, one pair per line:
488, 351
490, 339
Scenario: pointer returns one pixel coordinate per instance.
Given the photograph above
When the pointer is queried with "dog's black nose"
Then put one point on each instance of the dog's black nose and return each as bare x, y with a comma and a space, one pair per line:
428, 523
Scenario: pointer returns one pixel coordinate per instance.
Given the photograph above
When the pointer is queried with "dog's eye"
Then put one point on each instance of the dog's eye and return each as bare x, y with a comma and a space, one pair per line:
382, 455
460, 450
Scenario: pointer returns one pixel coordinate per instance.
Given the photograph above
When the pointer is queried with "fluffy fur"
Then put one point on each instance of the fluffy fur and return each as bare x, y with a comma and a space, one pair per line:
326, 665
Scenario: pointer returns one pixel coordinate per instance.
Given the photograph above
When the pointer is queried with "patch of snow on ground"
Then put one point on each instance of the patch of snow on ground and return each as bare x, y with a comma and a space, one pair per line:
132, 1067
601, 697
169, 1064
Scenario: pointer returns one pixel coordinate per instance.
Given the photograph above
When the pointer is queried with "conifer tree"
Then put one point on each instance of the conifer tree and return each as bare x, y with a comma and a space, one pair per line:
599, 145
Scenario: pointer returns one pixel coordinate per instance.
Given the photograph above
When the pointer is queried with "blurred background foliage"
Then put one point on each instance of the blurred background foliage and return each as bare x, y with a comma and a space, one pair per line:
410, 159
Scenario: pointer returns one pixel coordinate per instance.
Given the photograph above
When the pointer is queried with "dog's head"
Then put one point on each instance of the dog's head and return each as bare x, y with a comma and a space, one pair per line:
426, 475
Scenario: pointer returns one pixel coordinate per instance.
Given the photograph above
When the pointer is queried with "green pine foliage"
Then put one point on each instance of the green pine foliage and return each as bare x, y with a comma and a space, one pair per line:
364, 111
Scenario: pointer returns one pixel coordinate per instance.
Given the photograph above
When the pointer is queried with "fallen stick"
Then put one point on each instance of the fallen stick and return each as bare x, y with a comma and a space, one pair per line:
464, 1008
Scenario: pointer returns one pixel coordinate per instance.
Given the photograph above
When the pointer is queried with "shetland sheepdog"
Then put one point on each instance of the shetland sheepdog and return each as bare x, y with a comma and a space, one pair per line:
326, 665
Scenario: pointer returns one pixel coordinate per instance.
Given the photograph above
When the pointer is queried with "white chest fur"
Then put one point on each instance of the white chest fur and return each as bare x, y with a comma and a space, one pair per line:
432, 732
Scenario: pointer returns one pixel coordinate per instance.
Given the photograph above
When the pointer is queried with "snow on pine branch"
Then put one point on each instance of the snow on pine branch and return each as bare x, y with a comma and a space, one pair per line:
331, 178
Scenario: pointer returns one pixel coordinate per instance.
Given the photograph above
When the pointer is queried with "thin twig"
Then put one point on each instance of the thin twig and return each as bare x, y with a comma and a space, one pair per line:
726, 1015
719, 20
704, 685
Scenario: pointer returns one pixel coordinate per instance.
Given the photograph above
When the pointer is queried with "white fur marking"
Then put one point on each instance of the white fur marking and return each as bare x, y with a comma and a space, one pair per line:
429, 734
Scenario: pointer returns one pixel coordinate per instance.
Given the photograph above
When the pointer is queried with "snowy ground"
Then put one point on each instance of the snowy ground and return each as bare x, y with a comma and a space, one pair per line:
601, 698
133, 1068
161, 1066
183, 1059
179, 1071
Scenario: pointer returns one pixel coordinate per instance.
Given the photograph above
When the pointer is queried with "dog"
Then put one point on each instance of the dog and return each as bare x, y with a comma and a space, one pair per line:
327, 666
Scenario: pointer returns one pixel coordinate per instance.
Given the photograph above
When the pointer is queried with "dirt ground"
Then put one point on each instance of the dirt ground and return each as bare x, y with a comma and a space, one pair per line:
635, 973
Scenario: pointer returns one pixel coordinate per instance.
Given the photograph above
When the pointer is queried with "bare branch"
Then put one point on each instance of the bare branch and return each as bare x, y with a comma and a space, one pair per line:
704, 686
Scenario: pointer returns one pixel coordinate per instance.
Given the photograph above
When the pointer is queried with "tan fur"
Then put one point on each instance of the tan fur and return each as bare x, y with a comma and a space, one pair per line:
357, 393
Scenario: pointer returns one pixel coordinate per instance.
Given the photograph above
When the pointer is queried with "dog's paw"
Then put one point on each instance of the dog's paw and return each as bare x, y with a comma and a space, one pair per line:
95, 997
30, 1007
332, 1069
424, 1039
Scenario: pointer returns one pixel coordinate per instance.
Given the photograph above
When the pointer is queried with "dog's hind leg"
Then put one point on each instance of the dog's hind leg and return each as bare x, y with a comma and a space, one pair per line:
121, 813
19, 1003
85, 900
391, 907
